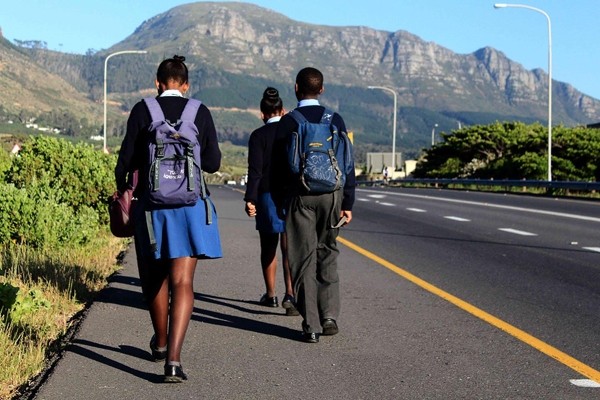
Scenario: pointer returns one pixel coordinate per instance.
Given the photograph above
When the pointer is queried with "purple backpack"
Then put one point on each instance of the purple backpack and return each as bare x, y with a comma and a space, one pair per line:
175, 175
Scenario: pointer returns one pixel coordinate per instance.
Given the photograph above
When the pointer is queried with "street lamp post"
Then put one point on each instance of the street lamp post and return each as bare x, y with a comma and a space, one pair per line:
433, 135
105, 65
504, 5
392, 91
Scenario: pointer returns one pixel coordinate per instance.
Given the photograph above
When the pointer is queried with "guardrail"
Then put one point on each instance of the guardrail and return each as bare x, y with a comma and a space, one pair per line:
553, 185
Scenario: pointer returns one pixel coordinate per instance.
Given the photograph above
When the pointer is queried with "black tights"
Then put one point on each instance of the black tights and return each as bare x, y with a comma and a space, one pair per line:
170, 323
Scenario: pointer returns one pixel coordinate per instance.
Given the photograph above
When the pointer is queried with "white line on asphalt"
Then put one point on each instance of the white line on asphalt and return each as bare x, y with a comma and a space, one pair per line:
377, 196
361, 199
592, 249
459, 219
475, 203
416, 210
585, 383
517, 232
383, 203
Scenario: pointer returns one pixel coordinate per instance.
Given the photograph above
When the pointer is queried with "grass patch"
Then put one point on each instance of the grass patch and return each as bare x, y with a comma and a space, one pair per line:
41, 291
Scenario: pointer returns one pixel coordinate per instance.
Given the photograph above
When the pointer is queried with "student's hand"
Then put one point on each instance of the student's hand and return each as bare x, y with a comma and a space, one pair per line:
250, 209
348, 215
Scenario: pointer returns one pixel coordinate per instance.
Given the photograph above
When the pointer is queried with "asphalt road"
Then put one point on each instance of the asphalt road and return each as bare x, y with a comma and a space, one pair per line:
522, 274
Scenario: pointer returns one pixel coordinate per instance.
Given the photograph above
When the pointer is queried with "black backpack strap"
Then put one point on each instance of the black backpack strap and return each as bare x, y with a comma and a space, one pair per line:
150, 229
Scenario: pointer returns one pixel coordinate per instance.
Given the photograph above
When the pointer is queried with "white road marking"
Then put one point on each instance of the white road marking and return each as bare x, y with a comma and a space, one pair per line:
475, 203
592, 249
361, 199
377, 196
517, 232
416, 210
383, 203
585, 383
459, 219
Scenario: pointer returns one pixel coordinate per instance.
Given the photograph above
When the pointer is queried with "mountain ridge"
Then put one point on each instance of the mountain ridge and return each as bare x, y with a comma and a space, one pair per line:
235, 49
236, 37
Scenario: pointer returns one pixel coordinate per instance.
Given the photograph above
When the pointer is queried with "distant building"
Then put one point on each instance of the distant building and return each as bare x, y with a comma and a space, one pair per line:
376, 162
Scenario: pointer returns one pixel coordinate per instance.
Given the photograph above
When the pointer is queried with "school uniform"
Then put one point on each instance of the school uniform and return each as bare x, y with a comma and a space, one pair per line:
178, 231
312, 250
258, 187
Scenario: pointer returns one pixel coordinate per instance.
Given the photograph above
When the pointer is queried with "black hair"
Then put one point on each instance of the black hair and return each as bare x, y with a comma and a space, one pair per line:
271, 103
172, 69
309, 81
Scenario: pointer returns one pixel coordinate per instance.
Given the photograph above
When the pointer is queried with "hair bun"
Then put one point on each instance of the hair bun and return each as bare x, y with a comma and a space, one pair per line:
271, 94
178, 58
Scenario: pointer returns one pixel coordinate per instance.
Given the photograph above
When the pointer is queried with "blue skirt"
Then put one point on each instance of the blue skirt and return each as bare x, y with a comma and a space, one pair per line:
178, 232
267, 220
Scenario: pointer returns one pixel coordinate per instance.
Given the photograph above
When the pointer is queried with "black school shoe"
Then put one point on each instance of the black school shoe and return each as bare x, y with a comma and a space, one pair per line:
157, 354
269, 301
329, 327
174, 374
289, 303
310, 337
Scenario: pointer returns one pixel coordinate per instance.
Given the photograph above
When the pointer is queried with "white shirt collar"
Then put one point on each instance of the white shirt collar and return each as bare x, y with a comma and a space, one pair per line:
308, 102
273, 119
171, 92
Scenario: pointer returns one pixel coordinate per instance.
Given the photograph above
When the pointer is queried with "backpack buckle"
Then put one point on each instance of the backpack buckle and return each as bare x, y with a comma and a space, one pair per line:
160, 149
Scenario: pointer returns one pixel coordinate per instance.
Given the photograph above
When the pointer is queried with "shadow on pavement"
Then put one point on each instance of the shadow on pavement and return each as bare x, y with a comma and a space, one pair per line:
77, 347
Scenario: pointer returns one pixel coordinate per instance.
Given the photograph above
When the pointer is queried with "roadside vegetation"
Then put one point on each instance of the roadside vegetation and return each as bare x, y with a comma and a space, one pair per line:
56, 252
515, 151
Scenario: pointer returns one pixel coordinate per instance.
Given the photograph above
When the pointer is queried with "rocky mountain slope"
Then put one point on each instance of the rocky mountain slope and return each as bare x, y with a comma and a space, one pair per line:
235, 49
246, 39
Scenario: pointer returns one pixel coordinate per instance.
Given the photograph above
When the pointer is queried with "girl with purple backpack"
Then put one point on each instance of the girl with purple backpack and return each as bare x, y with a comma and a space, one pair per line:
169, 239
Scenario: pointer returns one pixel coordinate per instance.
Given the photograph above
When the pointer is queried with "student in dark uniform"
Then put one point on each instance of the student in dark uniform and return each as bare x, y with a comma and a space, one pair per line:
182, 237
259, 203
311, 219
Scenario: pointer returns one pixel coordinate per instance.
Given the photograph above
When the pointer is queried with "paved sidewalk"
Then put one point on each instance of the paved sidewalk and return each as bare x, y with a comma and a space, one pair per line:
237, 349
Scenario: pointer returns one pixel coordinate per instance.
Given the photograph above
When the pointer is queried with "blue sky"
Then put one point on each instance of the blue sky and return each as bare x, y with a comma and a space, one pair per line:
462, 26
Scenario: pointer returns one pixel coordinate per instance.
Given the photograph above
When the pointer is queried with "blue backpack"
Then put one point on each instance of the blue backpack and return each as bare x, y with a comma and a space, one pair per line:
175, 176
319, 154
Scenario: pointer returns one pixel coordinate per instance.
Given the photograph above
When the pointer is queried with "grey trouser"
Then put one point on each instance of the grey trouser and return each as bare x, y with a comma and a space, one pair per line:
312, 253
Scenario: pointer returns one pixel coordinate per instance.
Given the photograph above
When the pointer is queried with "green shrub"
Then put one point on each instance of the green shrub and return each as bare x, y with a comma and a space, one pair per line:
5, 161
79, 175
16, 304
34, 217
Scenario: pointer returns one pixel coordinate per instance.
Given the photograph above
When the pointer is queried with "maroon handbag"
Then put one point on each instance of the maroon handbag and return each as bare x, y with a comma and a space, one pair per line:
120, 210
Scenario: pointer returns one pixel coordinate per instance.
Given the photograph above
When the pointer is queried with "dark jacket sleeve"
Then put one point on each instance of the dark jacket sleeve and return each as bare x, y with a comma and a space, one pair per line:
128, 159
256, 150
350, 185
282, 178
211, 154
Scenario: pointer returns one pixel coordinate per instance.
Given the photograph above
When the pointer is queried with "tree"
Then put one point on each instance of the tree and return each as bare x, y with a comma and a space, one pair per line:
513, 150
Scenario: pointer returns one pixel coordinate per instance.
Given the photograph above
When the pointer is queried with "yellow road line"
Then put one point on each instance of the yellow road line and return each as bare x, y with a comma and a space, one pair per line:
523, 336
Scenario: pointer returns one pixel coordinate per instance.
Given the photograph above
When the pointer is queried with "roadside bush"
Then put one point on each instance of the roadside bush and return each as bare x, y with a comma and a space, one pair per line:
32, 216
80, 176
513, 150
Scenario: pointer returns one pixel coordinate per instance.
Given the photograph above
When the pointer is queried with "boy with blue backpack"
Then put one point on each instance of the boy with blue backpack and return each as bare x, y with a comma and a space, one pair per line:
313, 174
